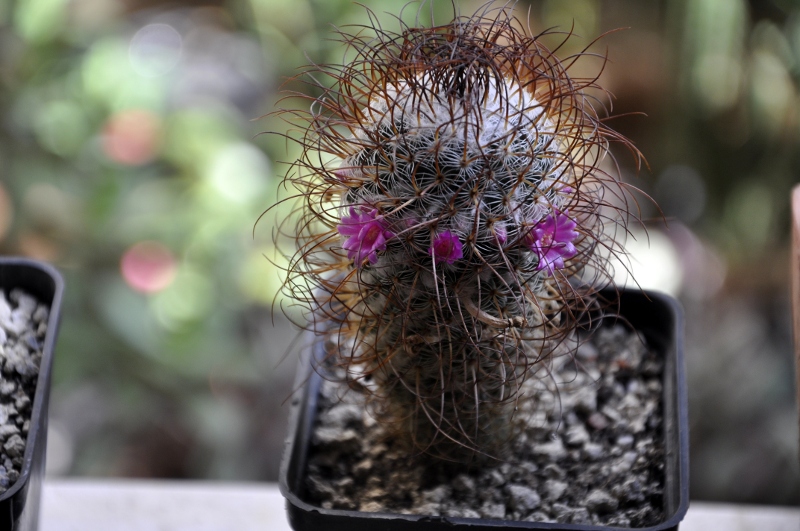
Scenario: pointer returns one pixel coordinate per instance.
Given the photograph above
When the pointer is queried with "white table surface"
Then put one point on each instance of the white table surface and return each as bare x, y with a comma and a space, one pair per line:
135, 505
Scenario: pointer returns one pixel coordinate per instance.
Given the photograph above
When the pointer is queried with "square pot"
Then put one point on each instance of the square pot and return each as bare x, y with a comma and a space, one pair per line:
658, 317
19, 505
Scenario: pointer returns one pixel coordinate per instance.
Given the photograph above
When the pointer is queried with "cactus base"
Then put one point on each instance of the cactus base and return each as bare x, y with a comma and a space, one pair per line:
656, 317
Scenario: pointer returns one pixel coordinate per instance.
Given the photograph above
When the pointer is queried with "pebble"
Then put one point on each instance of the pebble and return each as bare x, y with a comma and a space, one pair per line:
463, 485
7, 430
624, 464
461, 512
612, 414
42, 314
16, 323
601, 501
553, 471
493, 510
554, 489
537, 516
492, 478
22, 402
567, 514
629, 491
15, 446
342, 415
18, 359
343, 440
620, 521
7, 387
587, 352
625, 440
576, 435
597, 421
436, 495
362, 468
553, 450
319, 487
371, 507
523, 499
26, 304
585, 400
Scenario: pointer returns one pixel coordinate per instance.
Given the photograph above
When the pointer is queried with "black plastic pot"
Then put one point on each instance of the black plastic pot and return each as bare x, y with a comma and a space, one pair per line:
19, 505
657, 316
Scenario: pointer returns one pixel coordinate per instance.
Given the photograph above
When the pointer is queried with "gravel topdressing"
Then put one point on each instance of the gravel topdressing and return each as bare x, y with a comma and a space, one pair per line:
590, 453
23, 325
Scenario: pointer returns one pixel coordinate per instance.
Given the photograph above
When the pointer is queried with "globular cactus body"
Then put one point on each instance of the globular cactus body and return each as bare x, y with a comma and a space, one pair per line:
463, 196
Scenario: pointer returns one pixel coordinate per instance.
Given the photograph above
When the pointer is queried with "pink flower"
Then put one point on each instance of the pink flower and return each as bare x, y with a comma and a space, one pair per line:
551, 240
366, 234
446, 248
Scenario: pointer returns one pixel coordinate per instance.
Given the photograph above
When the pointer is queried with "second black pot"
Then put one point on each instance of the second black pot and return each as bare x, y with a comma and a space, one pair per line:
19, 505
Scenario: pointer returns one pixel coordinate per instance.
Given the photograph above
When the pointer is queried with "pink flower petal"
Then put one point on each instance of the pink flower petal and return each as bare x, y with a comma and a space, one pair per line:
552, 241
367, 233
446, 248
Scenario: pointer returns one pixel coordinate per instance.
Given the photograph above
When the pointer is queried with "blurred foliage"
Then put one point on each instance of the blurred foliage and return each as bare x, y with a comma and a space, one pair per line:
131, 158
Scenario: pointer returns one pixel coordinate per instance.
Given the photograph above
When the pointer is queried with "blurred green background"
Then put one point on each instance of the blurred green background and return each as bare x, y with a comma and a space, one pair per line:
130, 157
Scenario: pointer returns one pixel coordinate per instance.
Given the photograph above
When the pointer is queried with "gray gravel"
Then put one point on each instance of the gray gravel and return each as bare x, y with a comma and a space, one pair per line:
590, 451
23, 325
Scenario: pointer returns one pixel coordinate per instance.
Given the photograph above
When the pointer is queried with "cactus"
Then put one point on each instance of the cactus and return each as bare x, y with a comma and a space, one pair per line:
453, 206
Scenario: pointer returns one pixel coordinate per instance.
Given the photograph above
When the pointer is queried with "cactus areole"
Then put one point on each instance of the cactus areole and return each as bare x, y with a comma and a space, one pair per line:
452, 197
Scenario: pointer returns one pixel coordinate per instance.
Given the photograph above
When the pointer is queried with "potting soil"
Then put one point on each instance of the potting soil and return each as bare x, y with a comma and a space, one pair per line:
590, 449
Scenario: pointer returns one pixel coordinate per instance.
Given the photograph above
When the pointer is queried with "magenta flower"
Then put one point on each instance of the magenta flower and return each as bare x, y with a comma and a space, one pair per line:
366, 234
551, 240
446, 248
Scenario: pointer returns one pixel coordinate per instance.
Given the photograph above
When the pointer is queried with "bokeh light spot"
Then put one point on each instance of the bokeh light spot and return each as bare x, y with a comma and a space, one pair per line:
39, 21
155, 50
773, 91
132, 137
681, 192
260, 276
239, 173
148, 267
188, 299
717, 80
651, 262
61, 127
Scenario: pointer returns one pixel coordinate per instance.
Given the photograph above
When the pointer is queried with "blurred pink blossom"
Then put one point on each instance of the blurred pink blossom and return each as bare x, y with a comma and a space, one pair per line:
148, 266
132, 137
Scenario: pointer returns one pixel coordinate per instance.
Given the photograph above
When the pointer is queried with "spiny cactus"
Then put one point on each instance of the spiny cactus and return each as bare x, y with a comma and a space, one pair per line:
452, 198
